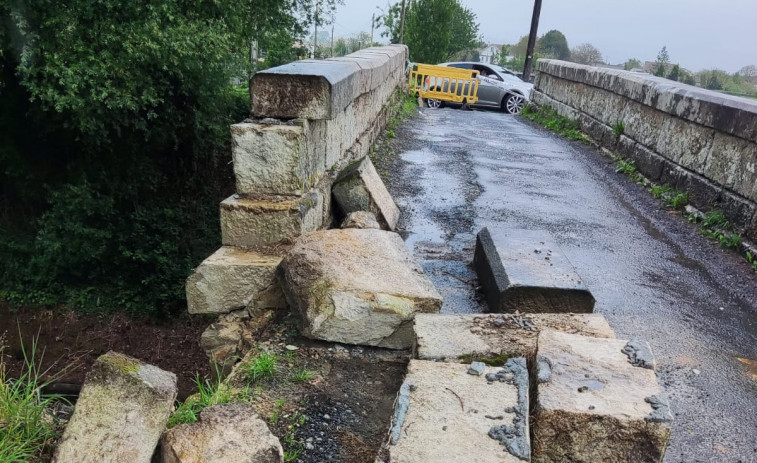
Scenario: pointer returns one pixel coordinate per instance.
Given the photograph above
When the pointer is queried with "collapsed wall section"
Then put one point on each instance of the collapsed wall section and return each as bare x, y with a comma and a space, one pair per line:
309, 119
697, 140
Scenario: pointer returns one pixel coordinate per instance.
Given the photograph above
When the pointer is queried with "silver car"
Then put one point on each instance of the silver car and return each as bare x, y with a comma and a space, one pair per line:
498, 87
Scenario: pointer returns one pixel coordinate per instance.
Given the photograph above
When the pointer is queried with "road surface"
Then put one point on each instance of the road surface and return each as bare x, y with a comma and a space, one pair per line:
653, 275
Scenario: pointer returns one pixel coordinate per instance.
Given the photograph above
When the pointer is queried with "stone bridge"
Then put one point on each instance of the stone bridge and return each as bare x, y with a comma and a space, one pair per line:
498, 216
696, 140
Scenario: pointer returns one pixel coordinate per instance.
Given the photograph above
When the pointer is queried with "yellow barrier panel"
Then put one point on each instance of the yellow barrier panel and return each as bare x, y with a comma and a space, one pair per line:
444, 83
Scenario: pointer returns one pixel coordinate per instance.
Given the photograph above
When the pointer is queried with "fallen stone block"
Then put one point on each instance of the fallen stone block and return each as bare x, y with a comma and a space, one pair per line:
495, 337
274, 158
598, 400
359, 188
249, 223
527, 273
362, 220
356, 287
445, 415
228, 433
121, 412
233, 279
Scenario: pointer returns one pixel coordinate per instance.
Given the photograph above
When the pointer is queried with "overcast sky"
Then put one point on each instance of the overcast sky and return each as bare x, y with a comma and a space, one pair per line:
699, 34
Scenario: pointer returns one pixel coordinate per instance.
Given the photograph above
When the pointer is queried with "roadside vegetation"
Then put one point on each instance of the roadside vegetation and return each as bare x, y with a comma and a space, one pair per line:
548, 117
29, 428
712, 224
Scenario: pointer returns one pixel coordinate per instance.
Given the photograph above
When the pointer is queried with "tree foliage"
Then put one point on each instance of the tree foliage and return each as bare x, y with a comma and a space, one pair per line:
632, 63
114, 142
435, 30
586, 53
553, 44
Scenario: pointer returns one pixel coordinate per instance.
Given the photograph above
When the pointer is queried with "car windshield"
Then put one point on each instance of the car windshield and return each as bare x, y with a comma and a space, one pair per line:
507, 75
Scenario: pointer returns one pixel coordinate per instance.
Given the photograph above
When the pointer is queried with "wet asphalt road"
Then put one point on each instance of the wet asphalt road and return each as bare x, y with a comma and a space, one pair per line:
653, 275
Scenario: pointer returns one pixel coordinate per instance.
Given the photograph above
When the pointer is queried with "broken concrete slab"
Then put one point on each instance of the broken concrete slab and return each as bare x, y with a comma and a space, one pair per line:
229, 433
594, 404
249, 223
495, 337
234, 278
528, 273
360, 188
356, 287
361, 220
445, 414
272, 157
121, 412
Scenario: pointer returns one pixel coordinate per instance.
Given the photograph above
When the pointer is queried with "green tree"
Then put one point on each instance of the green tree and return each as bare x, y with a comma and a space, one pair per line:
553, 44
586, 54
632, 63
341, 48
663, 60
437, 29
114, 142
389, 20
675, 73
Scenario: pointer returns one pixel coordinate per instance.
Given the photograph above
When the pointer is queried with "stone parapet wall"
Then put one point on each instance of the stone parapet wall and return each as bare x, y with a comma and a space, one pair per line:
309, 119
697, 140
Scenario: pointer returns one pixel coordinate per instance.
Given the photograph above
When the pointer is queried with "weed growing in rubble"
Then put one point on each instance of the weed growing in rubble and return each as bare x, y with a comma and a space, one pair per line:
28, 428
209, 393
301, 375
257, 368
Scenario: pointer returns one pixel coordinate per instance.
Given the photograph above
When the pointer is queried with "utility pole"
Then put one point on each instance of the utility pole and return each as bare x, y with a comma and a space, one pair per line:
402, 23
332, 40
315, 35
373, 21
532, 41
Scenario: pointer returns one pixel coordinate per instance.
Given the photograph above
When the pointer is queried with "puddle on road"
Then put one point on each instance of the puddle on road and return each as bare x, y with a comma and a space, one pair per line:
419, 157
751, 367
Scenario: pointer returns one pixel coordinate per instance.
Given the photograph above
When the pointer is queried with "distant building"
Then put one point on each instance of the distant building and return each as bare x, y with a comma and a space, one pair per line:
488, 53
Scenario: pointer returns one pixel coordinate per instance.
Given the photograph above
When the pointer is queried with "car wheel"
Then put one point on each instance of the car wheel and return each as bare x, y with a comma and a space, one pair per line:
434, 103
513, 103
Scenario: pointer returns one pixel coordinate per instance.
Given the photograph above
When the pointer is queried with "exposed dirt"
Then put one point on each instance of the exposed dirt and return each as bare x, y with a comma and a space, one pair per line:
75, 340
326, 402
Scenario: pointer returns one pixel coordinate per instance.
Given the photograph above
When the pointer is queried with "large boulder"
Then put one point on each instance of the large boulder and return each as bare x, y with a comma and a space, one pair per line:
359, 188
122, 410
228, 433
356, 287
598, 400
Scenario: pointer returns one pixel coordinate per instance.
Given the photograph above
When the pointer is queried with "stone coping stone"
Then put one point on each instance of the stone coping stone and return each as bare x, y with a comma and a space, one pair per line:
249, 223
356, 287
730, 114
121, 413
444, 414
313, 89
360, 188
526, 272
495, 337
227, 433
234, 278
597, 400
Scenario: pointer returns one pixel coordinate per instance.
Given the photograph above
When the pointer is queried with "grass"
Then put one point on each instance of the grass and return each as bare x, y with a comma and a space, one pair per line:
301, 375
260, 367
548, 117
28, 429
209, 393
618, 129
715, 226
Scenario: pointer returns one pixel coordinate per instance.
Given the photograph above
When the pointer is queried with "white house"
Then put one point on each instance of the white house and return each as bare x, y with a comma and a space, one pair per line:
486, 54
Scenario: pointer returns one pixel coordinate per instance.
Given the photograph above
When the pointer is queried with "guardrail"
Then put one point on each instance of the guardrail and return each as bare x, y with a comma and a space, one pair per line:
444, 83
